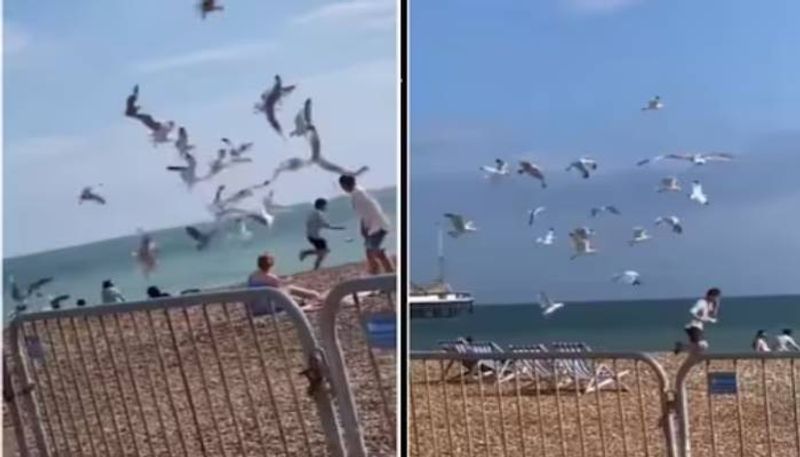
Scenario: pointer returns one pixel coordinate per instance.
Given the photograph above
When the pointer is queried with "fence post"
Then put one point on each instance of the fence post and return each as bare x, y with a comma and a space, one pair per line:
31, 405
682, 402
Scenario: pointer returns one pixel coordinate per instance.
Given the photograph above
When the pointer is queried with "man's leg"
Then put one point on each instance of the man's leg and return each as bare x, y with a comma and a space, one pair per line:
321, 254
372, 262
305, 253
385, 261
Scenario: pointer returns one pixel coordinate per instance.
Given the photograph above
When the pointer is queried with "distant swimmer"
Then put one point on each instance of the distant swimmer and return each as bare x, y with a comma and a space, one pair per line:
704, 311
785, 341
110, 294
760, 342
89, 195
654, 104
315, 222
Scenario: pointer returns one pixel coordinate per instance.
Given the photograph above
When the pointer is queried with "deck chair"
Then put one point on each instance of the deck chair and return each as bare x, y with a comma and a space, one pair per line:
583, 370
533, 370
499, 369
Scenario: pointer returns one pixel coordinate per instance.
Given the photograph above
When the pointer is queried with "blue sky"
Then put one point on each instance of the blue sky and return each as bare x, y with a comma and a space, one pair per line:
69, 66
554, 80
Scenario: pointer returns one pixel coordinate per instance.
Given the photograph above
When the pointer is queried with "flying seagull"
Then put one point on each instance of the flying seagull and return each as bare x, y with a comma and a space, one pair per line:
696, 159
21, 295
159, 131
460, 225
533, 213
89, 195
605, 209
312, 135
207, 7
672, 221
188, 172
581, 242
499, 169
201, 238
291, 164
698, 195
270, 101
55, 302
669, 184
654, 104
302, 121
640, 235
533, 170
548, 239
237, 151
629, 277
584, 165
547, 305
182, 143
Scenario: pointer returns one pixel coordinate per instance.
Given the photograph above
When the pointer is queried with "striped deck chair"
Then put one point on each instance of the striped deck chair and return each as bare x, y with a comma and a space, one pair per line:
536, 370
583, 370
500, 369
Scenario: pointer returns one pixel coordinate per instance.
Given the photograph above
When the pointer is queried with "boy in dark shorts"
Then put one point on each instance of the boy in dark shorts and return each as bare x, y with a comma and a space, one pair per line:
315, 222
704, 311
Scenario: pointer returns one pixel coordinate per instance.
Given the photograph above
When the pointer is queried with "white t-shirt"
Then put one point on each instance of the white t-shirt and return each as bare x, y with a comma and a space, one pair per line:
786, 343
761, 345
369, 210
701, 313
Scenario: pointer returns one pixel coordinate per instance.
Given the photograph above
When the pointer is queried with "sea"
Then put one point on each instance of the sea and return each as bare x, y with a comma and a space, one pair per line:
80, 270
620, 325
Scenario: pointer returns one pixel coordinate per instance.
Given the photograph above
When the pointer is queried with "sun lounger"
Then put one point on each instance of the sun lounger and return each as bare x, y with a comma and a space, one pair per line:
491, 367
589, 375
536, 370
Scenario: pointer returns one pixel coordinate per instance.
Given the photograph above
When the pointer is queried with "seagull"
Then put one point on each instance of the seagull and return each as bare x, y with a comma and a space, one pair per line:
302, 121
533, 170
696, 159
605, 209
20, 296
672, 221
237, 151
89, 195
270, 101
244, 233
460, 225
583, 165
499, 169
312, 135
581, 242
188, 172
548, 239
697, 193
207, 7
547, 305
146, 253
654, 104
640, 235
182, 143
202, 238
629, 277
532, 213
242, 194
291, 164
669, 184
55, 302
159, 131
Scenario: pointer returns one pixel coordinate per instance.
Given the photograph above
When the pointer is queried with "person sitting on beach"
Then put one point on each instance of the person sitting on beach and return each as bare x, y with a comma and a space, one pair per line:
110, 294
702, 312
760, 342
786, 342
314, 224
263, 277
374, 224
155, 292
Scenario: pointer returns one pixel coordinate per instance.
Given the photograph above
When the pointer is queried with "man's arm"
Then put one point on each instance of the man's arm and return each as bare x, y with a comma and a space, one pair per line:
793, 344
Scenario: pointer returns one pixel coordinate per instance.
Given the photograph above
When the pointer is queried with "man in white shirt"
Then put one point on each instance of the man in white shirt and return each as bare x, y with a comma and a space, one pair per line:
785, 342
704, 311
760, 342
374, 224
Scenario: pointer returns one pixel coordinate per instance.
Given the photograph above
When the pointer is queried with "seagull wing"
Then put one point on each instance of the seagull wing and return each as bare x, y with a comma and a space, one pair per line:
613, 210
38, 284
544, 300
678, 156
720, 156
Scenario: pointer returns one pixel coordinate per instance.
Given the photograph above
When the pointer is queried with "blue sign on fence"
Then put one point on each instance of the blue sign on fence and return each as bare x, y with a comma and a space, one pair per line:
722, 383
382, 330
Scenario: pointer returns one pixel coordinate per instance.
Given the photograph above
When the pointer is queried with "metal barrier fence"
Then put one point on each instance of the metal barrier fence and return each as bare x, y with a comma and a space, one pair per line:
739, 405
368, 415
191, 375
517, 403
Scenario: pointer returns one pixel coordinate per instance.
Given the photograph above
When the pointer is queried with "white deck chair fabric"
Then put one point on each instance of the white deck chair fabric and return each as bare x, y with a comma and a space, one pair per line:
583, 370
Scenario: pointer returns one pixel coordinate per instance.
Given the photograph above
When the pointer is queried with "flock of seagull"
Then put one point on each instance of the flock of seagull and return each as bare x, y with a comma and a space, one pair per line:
582, 237
225, 209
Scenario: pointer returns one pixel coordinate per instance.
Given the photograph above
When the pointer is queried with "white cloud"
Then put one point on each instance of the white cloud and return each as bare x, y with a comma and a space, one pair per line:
370, 13
599, 6
205, 56
15, 39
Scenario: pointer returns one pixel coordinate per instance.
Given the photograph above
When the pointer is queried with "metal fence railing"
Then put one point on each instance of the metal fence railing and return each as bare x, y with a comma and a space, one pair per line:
363, 368
739, 404
184, 376
517, 403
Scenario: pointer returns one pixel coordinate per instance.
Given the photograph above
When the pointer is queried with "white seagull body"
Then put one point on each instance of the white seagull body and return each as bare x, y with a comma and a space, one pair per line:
547, 305
669, 184
640, 235
581, 242
698, 195
498, 170
460, 225
673, 221
548, 238
654, 104
584, 165
629, 277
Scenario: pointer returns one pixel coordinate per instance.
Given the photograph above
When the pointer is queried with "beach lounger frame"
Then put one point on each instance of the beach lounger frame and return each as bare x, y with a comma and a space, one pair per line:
501, 370
589, 375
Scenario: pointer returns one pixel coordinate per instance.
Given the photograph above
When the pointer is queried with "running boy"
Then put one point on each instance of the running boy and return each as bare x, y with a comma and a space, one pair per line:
315, 222
374, 225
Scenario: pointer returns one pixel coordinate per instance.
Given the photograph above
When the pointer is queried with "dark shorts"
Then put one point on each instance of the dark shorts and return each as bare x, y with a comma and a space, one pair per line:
320, 244
374, 242
695, 334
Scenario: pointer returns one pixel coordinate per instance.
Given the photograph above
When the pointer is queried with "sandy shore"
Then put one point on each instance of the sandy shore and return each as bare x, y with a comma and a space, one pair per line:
491, 416
243, 407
